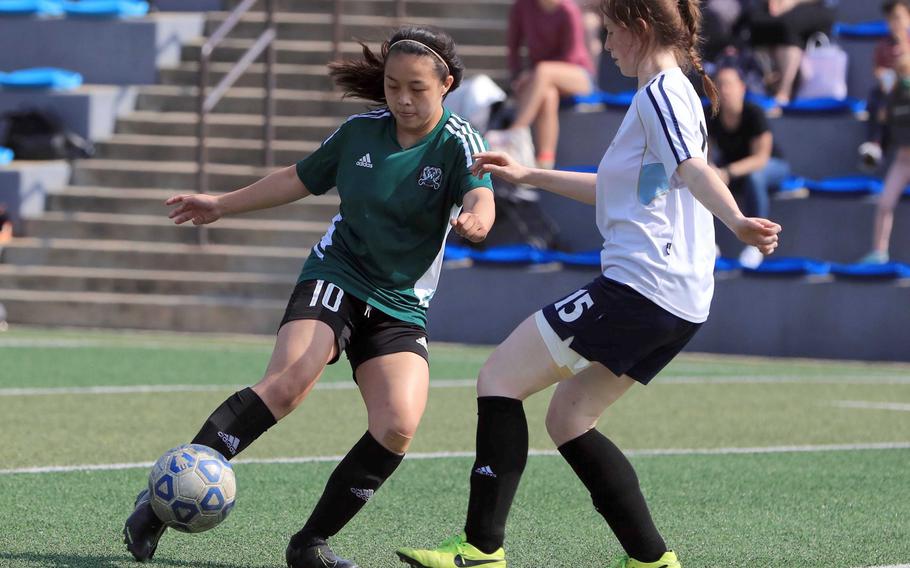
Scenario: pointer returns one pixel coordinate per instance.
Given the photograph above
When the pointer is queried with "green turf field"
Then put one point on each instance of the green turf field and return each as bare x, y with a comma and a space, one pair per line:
745, 462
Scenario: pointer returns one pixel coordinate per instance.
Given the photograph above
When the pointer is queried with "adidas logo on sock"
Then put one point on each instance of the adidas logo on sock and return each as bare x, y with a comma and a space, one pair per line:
364, 494
232, 442
365, 161
485, 470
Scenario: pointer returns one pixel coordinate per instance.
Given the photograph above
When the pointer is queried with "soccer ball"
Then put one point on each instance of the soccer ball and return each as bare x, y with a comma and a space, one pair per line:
192, 488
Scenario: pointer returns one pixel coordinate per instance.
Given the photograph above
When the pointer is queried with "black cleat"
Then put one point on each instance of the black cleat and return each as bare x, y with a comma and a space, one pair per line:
306, 551
142, 529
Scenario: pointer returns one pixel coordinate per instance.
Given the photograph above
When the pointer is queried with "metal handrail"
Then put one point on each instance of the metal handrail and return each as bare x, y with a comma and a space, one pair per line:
205, 103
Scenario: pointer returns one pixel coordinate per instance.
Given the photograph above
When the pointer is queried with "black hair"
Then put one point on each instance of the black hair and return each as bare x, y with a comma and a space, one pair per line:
889, 6
364, 77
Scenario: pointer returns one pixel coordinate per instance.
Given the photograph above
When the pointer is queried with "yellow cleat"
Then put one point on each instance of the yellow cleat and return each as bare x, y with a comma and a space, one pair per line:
668, 560
455, 552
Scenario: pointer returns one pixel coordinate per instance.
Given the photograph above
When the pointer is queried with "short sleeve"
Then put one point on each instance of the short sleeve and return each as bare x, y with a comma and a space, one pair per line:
758, 123
469, 142
673, 130
319, 170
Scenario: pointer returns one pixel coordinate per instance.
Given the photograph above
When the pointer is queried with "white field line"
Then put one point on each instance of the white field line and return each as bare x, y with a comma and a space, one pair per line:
117, 344
868, 405
444, 384
449, 455
892, 566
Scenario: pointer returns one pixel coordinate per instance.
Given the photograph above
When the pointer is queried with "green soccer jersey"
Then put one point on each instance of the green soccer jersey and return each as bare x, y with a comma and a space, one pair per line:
385, 246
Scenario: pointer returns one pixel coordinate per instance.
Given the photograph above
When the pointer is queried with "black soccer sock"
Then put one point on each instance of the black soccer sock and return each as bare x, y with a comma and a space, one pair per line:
502, 452
610, 478
236, 424
351, 485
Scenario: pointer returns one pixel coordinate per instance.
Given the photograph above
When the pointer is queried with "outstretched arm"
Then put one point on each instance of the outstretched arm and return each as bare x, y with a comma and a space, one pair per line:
277, 188
708, 189
574, 185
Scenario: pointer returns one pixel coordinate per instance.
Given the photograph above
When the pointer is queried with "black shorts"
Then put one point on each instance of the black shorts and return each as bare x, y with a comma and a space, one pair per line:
361, 331
614, 325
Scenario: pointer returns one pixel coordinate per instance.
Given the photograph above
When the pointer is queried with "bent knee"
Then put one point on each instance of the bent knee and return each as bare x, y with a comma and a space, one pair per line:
395, 438
284, 391
563, 427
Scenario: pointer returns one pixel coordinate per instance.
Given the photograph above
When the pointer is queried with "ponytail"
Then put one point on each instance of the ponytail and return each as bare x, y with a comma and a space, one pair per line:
691, 17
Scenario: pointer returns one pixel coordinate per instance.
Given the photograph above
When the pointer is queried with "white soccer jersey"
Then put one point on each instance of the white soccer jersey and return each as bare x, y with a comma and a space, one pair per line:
658, 238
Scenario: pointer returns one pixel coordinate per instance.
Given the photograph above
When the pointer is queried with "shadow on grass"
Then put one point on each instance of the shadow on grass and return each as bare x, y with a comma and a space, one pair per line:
63, 560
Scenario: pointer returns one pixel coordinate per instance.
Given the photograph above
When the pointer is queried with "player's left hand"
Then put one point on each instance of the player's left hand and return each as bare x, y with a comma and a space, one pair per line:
471, 227
758, 232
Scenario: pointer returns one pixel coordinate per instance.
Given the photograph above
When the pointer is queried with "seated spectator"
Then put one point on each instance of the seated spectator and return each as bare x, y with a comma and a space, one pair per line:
898, 176
748, 161
783, 27
6, 226
559, 65
719, 19
897, 13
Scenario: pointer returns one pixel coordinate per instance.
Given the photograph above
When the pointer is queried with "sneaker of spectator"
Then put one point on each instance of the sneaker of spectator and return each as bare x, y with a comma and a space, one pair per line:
870, 156
751, 257
874, 257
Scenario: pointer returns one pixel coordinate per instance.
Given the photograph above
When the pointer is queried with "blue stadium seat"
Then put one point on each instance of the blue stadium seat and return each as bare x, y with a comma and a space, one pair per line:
610, 100
41, 78
585, 258
888, 271
456, 253
723, 264
105, 9
6, 156
792, 266
875, 29
30, 7
513, 254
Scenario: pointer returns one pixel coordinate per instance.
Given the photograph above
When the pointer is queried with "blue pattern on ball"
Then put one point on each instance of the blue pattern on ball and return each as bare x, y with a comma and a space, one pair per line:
213, 500
184, 511
164, 488
210, 470
181, 462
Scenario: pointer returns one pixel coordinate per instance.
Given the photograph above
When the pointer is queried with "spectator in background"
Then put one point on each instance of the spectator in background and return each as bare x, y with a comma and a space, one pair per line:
898, 176
783, 27
748, 161
559, 65
719, 19
897, 13
6, 226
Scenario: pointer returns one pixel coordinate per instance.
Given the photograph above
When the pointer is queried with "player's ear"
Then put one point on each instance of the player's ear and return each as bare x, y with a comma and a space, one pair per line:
447, 84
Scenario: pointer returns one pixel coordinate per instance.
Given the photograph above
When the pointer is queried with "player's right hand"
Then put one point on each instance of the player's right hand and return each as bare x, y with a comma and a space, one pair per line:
760, 233
199, 208
500, 165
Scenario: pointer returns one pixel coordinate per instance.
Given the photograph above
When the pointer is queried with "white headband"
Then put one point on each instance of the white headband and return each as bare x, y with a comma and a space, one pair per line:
425, 46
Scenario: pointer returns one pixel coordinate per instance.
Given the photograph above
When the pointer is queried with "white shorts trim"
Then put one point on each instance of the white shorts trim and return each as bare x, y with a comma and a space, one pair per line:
570, 363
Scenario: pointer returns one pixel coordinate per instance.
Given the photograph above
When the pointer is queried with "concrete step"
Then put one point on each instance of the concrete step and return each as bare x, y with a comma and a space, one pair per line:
163, 175
302, 77
320, 52
137, 255
249, 100
223, 125
142, 311
413, 8
144, 201
121, 281
184, 148
158, 228
309, 26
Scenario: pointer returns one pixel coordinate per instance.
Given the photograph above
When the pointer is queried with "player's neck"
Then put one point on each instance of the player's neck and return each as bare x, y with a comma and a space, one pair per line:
654, 63
407, 137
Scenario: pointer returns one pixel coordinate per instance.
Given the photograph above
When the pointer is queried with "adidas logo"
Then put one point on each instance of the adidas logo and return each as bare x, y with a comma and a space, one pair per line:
364, 494
423, 342
365, 161
232, 442
485, 470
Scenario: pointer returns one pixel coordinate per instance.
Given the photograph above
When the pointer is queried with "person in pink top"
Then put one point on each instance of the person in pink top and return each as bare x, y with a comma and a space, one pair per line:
558, 65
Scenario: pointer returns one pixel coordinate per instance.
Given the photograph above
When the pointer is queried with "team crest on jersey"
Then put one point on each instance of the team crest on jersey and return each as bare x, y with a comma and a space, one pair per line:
431, 177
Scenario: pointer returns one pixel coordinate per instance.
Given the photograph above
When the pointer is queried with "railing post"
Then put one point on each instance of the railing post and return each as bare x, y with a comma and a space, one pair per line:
202, 158
400, 10
268, 134
336, 30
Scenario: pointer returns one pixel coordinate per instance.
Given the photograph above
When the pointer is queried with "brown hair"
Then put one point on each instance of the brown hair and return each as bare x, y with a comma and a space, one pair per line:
676, 24
891, 5
364, 78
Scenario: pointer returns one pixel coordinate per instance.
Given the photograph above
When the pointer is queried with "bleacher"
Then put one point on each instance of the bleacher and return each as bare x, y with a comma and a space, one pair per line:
104, 254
